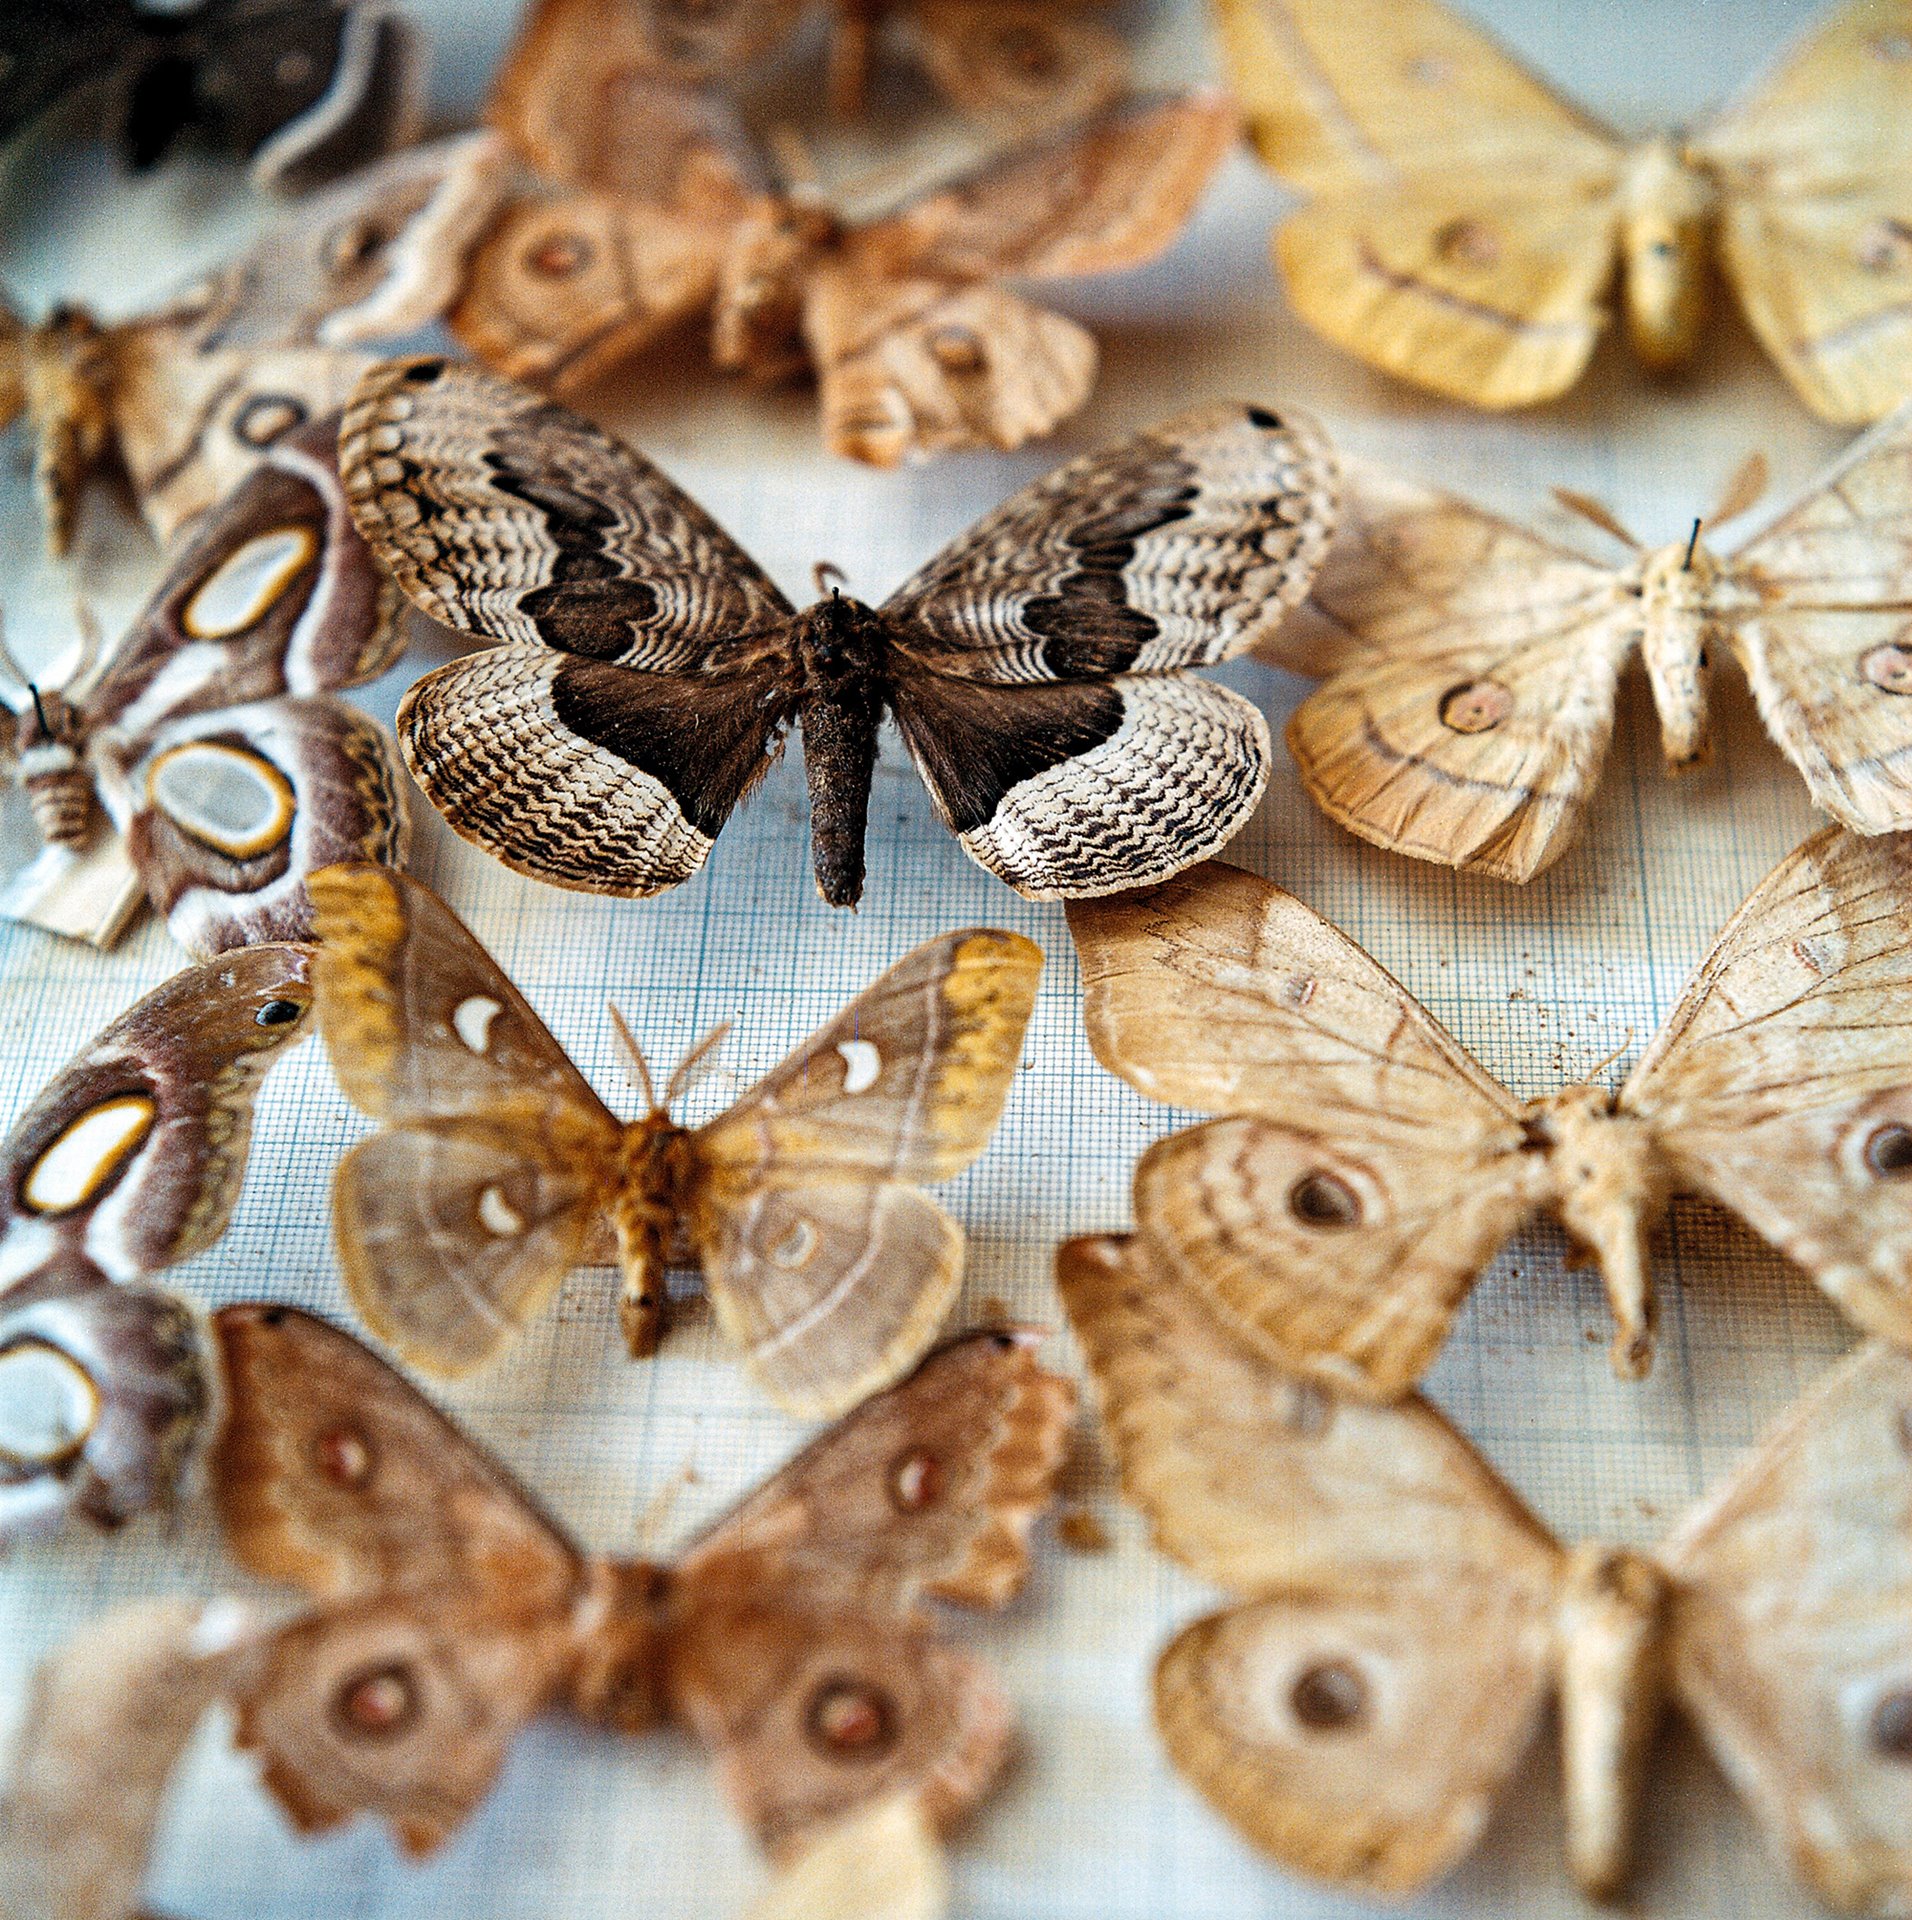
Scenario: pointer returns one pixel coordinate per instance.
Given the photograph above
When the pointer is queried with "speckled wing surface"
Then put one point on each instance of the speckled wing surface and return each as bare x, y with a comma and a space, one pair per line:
637, 693
1037, 663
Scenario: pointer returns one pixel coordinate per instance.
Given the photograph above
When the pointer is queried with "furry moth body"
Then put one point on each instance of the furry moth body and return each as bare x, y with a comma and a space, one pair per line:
646, 671
1365, 1169
1401, 1619
1464, 222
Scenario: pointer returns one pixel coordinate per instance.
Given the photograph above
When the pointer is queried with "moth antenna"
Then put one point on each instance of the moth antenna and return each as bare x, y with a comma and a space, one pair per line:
829, 576
1588, 508
650, 1523
92, 642
1741, 491
39, 712
11, 666
1692, 546
640, 1066
1595, 1071
696, 1063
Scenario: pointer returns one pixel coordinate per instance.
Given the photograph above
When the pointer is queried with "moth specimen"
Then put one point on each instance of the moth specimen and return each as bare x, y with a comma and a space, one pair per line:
659, 209
1365, 1169
647, 670
128, 1162
1400, 1618
789, 1638
1464, 222
1009, 58
184, 398
498, 1169
227, 770
305, 89
1472, 666
880, 1863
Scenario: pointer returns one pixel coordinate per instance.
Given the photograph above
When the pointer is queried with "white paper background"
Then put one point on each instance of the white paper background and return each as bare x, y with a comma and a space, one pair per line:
1542, 983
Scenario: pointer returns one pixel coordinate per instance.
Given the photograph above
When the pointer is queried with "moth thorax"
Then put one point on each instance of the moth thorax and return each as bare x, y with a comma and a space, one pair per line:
47, 765
1608, 1182
1612, 1606
620, 1676
1666, 221
651, 1194
1676, 626
758, 325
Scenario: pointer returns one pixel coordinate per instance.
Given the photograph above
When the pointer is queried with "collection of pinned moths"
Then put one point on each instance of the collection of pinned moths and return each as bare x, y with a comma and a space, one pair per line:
1399, 1618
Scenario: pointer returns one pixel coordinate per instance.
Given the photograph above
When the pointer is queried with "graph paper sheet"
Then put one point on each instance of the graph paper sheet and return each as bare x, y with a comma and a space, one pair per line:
1542, 983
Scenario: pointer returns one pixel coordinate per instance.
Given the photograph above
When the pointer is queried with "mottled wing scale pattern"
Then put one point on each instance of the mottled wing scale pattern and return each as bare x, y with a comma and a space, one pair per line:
129, 1161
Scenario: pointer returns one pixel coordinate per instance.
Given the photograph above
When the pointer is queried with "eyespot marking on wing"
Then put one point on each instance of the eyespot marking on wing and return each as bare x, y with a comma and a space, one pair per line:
1323, 1199
1890, 1727
861, 1065
1477, 707
87, 1153
376, 1705
267, 418
916, 1481
850, 1721
248, 583
343, 1456
1888, 1151
235, 802
1889, 668
471, 1020
796, 1247
498, 1216
49, 1406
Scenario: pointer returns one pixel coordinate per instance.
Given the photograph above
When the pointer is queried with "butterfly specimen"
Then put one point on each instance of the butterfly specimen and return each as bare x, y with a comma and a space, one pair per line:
210, 738
1365, 1168
128, 1162
306, 89
1472, 667
648, 671
659, 209
998, 57
1464, 223
185, 397
498, 1169
788, 1638
1400, 1619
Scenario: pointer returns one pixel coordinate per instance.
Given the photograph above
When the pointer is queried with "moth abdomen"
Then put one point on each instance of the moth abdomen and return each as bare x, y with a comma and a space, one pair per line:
839, 646
47, 766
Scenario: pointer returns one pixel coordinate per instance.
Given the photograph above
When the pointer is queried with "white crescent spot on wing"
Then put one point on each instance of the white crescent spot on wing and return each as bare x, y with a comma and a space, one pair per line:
861, 1063
471, 1020
796, 1246
498, 1216
87, 1153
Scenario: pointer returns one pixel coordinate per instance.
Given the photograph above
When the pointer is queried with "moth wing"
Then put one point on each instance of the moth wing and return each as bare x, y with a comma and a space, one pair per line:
879, 1863
823, 1262
334, 1474
507, 515
572, 282
929, 1487
132, 1156
1359, 1715
1010, 59
812, 1717
1825, 631
452, 1232
1173, 548
1781, 1083
420, 1021
1473, 673
400, 1707
1789, 1643
1815, 175
108, 1717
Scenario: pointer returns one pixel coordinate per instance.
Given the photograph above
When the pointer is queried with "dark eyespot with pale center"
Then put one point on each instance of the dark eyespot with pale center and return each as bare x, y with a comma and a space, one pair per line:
1888, 668
1467, 243
343, 1456
916, 1481
267, 418
1478, 706
1329, 1697
1889, 1151
1324, 1200
423, 372
850, 1721
376, 1705
559, 256
1892, 1725
275, 1013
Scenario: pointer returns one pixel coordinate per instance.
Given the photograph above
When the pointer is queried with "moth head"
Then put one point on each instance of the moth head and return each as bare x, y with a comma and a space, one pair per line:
758, 325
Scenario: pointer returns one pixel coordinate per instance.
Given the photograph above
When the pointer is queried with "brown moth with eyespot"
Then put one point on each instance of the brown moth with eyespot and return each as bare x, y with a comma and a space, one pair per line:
1366, 1169
1466, 225
497, 1169
790, 1638
1399, 1620
129, 1161
186, 397
202, 763
657, 207
1007, 59
1470, 667
646, 672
